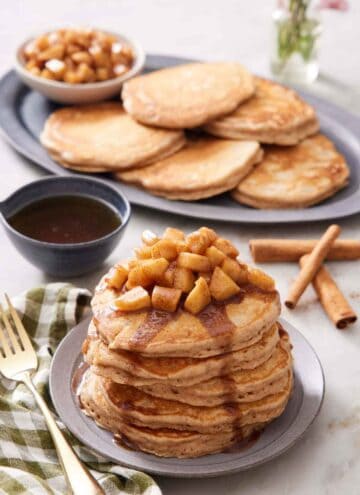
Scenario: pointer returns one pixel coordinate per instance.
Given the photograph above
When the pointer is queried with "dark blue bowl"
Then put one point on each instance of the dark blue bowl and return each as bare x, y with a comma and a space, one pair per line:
65, 260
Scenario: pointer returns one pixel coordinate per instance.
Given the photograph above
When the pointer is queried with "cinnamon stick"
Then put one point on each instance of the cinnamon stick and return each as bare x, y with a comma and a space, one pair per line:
312, 265
270, 250
332, 299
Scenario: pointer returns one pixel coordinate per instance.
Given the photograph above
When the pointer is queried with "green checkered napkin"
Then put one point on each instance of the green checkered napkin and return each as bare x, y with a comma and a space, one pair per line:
28, 461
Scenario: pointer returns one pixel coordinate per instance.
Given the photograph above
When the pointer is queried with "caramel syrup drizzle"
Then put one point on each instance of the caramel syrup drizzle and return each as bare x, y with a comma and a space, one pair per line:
214, 318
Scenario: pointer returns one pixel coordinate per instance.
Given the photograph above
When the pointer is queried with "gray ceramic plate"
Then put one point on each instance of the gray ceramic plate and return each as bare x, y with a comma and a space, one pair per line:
23, 113
280, 435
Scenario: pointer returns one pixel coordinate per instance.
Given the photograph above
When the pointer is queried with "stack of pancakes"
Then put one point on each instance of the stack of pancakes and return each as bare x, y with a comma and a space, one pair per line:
194, 380
144, 142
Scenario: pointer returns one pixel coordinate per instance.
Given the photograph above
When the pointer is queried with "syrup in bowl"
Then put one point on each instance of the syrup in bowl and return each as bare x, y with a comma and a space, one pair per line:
65, 225
69, 219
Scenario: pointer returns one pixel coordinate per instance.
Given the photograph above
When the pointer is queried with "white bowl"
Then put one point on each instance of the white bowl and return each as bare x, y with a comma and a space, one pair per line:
63, 92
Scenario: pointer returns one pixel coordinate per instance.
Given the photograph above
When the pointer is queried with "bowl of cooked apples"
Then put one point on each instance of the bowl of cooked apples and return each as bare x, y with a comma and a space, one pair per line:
78, 65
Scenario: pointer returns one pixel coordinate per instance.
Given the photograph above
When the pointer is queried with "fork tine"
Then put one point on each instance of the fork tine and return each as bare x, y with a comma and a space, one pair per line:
23, 335
14, 342
4, 343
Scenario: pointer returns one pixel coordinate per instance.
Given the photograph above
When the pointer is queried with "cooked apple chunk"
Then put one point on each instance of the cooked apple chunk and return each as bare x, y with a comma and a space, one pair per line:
216, 257
184, 279
226, 247
143, 253
165, 248
166, 279
181, 246
260, 279
118, 276
206, 276
198, 242
155, 268
149, 237
222, 286
235, 270
165, 298
133, 300
209, 233
195, 262
174, 234
199, 297
137, 276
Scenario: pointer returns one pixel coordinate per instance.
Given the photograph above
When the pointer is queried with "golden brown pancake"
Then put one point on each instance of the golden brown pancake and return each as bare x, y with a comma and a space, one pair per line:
204, 168
135, 369
164, 442
223, 327
188, 95
86, 169
274, 114
131, 405
240, 386
295, 177
104, 137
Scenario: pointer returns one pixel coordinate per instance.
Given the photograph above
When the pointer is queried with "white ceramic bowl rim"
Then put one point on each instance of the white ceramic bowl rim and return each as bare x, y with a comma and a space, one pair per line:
135, 69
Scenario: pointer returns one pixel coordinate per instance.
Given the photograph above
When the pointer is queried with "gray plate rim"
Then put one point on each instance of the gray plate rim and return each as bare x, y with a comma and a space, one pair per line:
308, 371
340, 122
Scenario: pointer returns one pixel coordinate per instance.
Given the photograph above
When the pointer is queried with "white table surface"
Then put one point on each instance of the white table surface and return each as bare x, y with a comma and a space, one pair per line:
327, 460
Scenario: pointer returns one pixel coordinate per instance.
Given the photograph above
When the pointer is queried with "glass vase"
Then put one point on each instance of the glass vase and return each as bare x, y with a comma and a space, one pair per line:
296, 32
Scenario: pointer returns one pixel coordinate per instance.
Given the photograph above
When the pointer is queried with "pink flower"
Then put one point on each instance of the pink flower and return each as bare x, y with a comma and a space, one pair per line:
334, 4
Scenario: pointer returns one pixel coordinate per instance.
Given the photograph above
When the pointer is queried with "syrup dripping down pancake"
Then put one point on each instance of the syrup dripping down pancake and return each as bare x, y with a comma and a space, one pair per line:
187, 335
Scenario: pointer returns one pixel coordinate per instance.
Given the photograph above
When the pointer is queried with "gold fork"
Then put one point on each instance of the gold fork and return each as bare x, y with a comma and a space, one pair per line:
17, 360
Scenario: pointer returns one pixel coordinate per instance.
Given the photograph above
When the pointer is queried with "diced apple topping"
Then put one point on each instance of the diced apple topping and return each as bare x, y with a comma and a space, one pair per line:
143, 253
200, 265
181, 246
209, 233
149, 237
184, 279
195, 262
198, 242
216, 257
238, 272
165, 248
206, 276
118, 276
198, 298
155, 268
137, 276
260, 279
165, 298
226, 247
174, 234
133, 300
167, 278
222, 286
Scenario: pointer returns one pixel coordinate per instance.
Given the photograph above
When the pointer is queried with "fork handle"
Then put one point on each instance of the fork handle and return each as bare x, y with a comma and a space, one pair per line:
77, 476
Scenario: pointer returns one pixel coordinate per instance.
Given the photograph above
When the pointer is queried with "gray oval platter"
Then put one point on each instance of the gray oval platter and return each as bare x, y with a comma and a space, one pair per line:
23, 113
302, 409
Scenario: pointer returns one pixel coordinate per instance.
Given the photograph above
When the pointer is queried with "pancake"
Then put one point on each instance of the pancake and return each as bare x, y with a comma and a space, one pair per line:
240, 386
204, 168
92, 169
104, 136
220, 328
164, 442
131, 405
134, 369
87, 169
274, 115
295, 177
188, 95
